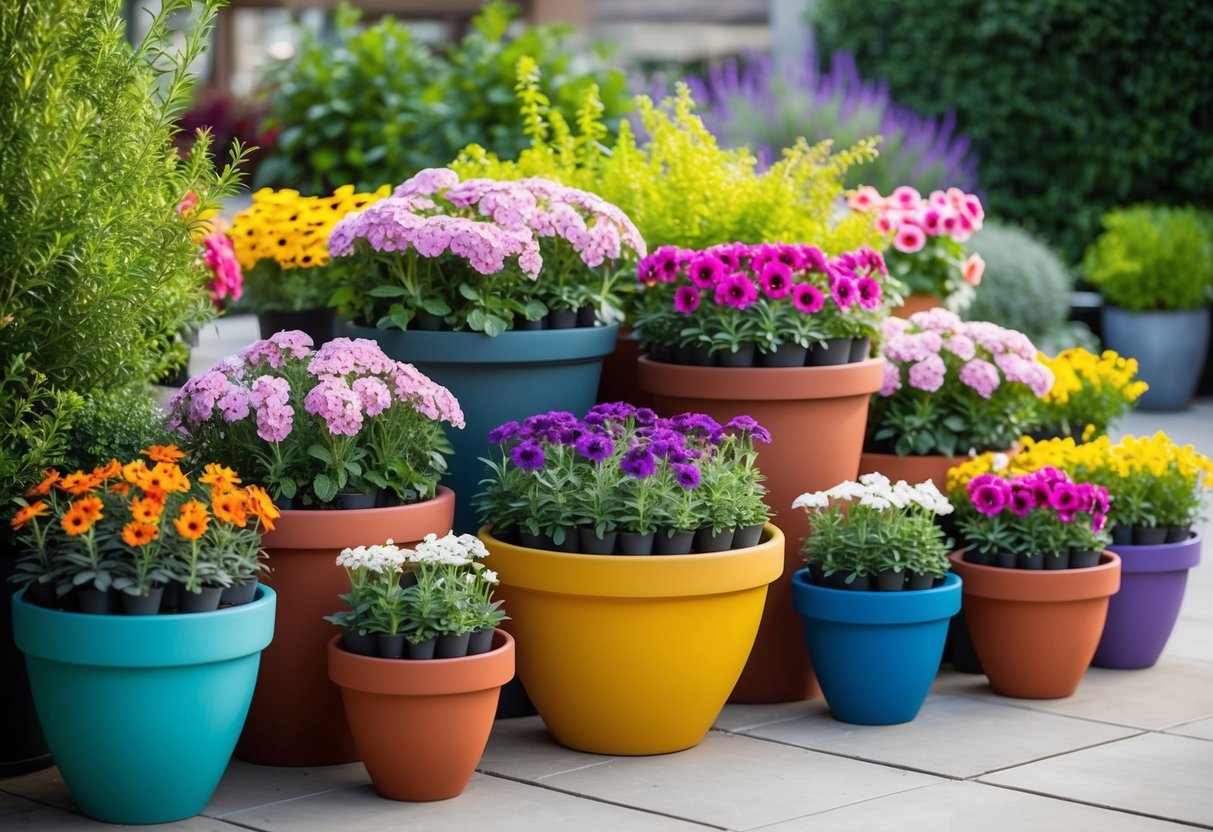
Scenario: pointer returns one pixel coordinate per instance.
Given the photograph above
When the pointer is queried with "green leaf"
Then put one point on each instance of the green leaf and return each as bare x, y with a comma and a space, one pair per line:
468, 292
436, 306
321, 453
494, 325
324, 487
387, 291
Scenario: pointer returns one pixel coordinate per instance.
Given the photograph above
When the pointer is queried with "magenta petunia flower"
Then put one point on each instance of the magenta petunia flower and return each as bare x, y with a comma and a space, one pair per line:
845, 292
776, 279
909, 239
737, 291
807, 298
869, 291
991, 496
705, 271
1021, 501
686, 299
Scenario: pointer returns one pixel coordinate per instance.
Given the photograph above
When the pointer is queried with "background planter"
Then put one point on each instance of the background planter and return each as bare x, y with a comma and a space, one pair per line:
296, 718
1035, 631
1170, 349
817, 417
421, 726
875, 653
142, 712
912, 469
917, 302
632, 655
498, 379
1142, 614
317, 322
22, 746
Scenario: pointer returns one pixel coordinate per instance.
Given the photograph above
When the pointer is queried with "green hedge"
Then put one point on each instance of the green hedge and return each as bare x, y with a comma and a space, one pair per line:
1073, 106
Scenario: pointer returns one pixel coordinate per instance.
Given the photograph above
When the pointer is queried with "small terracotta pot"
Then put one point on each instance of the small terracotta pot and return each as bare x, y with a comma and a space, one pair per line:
1036, 631
421, 726
296, 717
917, 302
817, 417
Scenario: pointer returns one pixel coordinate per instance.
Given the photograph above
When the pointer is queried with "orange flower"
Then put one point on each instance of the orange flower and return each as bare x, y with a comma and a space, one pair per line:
220, 478
79, 483
27, 513
163, 453
133, 470
165, 477
138, 534
192, 524
120, 488
76, 522
108, 471
147, 509
90, 507
43, 488
261, 506
230, 508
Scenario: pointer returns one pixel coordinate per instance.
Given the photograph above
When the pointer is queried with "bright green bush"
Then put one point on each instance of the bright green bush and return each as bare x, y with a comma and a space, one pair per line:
372, 106
1073, 106
114, 425
1153, 257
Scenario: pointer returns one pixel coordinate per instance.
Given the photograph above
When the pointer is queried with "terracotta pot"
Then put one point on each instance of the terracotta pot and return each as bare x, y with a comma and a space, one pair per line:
421, 725
917, 302
619, 382
296, 717
625, 655
1036, 631
912, 469
817, 417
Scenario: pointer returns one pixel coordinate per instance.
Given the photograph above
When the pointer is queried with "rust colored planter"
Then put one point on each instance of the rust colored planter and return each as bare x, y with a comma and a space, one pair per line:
421, 725
619, 382
817, 417
912, 469
296, 717
1036, 631
917, 302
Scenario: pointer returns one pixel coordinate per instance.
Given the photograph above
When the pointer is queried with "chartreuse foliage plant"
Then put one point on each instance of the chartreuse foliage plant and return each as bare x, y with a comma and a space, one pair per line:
675, 182
99, 270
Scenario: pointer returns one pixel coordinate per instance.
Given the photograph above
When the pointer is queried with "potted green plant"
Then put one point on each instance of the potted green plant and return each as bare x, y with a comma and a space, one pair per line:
875, 651
106, 683
602, 635
420, 713
352, 442
1154, 267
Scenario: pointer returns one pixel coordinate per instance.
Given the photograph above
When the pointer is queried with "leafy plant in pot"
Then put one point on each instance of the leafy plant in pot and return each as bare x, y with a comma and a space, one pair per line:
623, 480
1089, 393
875, 652
769, 305
355, 441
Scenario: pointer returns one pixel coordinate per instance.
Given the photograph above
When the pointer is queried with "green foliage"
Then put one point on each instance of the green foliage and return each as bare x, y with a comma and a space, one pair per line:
99, 272
1073, 106
114, 425
1153, 257
373, 105
1025, 287
679, 186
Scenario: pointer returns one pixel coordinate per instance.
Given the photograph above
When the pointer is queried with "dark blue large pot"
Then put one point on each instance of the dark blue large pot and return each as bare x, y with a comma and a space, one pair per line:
142, 711
511, 376
875, 653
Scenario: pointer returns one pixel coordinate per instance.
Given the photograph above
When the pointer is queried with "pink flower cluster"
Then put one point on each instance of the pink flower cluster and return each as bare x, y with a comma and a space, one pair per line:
987, 355
738, 275
487, 222
227, 280
1048, 489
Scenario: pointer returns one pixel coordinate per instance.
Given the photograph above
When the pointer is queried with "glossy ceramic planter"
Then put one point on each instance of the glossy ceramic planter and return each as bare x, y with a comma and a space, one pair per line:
142, 712
629, 656
875, 653
296, 718
421, 725
817, 417
1035, 630
1142, 614
509, 377
1169, 347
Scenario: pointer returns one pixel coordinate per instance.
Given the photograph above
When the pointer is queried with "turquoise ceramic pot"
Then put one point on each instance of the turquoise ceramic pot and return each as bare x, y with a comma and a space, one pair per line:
511, 376
142, 712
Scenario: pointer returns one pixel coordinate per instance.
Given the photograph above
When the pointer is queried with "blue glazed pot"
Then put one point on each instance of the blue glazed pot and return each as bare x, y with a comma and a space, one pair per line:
1169, 346
875, 653
142, 712
511, 376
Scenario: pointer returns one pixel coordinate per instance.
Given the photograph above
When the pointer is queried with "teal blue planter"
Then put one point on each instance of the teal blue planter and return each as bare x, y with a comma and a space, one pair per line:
511, 376
875, 653
142, 712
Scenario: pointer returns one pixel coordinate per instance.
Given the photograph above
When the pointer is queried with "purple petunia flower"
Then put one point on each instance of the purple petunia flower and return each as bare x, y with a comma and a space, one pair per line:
686, 475
504, 433
638, 462
595, 446
528, 455
807, 298
750, 425
686, 299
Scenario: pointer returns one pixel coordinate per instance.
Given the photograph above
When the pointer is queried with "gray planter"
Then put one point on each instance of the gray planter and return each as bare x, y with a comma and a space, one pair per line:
1169, 347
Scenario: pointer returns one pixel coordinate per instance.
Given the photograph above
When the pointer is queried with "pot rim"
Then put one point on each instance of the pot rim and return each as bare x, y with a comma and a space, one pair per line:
312, 529
1159, 557
144, 641
860, 378
847, 606
512, 347
656, 576
1007, 584
423, 677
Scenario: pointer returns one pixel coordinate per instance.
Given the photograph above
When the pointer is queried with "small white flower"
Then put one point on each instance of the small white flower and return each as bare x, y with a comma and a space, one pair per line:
813, 499
875, 501
999, 462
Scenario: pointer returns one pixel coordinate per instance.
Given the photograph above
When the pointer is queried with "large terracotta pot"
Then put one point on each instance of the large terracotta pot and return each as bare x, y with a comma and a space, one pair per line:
912, 469
917, 302
817, 417
633, 655
619, 382
421, 725
1036, 630
296, 717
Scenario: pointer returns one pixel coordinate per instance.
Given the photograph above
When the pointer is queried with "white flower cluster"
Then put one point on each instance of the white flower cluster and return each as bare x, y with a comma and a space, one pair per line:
456, 550
380, 559
876, 491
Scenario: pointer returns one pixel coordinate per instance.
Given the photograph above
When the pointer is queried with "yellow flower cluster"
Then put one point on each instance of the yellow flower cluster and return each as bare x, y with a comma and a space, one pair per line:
293, 230
1090, 389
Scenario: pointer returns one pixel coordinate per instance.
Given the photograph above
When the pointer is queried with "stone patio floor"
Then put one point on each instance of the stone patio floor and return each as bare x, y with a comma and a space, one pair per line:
1131, 751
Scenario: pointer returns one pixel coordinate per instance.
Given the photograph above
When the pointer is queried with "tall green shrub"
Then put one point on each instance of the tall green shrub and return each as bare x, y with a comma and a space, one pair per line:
97, 268
1073, 106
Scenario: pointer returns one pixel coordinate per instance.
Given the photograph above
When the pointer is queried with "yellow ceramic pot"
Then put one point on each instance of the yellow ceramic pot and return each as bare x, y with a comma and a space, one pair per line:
633, 655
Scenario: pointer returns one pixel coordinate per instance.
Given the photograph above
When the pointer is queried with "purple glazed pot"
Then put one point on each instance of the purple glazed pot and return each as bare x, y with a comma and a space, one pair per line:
1142, 614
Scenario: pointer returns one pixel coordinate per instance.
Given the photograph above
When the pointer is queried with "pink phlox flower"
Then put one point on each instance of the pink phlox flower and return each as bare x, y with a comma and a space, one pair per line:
913, 346
928, 374
293, 342
336, 402
263, 351
270, 397
373, 394
426, 182
234, 404
937, 319
981, 376
961, 346
892, 379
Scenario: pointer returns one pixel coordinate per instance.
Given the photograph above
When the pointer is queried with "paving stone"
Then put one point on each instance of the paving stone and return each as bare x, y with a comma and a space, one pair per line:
523, 749
57, 820
245, 785
1200, 729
